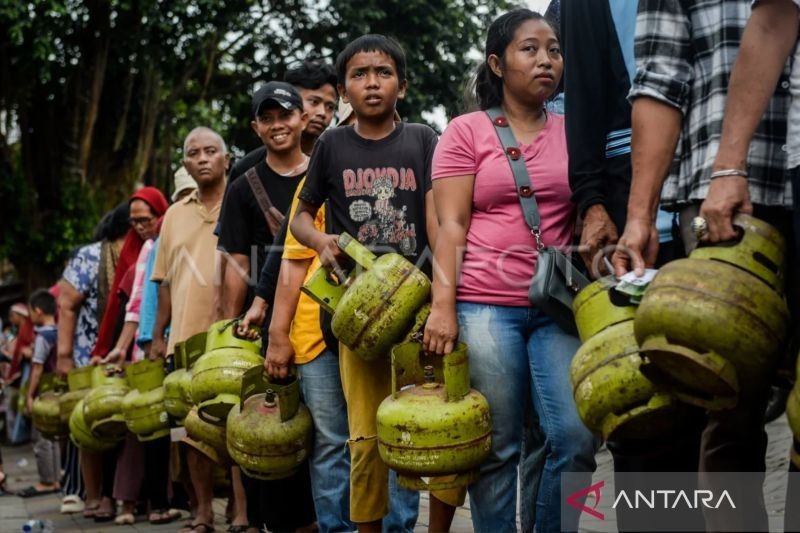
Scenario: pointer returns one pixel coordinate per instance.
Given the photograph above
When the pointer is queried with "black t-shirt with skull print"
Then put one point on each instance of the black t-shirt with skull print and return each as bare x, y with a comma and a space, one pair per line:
375, 190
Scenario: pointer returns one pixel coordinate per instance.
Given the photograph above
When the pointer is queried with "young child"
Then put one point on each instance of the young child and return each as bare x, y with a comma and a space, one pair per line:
42, 306
375, 176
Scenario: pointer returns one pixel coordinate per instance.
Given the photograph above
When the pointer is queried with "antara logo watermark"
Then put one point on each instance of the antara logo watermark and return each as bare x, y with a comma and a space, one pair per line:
672, 499
594, 490
652, 499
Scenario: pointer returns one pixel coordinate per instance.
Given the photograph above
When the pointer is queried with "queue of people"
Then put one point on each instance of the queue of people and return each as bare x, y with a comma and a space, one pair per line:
650, 138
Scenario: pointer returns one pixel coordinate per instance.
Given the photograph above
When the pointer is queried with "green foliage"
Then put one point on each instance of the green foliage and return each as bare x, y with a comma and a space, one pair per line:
96, 95
45, 241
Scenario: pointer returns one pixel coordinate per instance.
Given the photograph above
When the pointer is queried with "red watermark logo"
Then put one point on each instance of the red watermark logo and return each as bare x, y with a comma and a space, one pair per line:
578, 500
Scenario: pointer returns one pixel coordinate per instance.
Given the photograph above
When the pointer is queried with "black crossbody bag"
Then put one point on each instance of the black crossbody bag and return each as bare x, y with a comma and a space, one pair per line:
557, 280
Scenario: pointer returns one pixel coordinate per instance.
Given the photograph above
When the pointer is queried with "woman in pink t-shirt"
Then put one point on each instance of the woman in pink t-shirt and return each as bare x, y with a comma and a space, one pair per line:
486, 257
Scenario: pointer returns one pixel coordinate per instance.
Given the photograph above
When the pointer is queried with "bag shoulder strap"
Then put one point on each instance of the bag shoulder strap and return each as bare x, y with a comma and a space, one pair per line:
530, 209
259, 191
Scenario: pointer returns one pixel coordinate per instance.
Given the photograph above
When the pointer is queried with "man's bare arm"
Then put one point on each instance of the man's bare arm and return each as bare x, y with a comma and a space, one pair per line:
656, 130
158, 346
234, 285
69, 305
767, 42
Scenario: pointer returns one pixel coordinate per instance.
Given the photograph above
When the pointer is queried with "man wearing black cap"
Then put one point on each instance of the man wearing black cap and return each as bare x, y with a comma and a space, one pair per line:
255, 204
252, 213
315, 81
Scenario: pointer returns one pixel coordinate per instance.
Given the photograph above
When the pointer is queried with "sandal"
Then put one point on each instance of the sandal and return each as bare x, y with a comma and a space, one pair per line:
104, 516
90, 510
125, 519
187, 526
200, 527
72, 503
237, 529
164, 516
30, 492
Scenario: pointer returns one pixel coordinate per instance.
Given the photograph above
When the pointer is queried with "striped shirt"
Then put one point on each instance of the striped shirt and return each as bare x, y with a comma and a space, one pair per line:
134, 305
685, 51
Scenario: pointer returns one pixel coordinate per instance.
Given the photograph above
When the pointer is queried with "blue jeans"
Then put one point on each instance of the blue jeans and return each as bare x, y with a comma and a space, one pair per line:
403, 508
531, 464
321, 385
330, 460
518, 353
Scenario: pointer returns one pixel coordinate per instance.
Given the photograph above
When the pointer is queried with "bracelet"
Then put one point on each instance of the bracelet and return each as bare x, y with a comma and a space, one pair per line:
729, 172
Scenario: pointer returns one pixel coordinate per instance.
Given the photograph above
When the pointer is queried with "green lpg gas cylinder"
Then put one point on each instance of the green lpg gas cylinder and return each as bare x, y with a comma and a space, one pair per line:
79, 383
102, 406
375, 305
208, 439
46, 411
217, 375
82, 436
433, 424
715, 323
614, 399
269, 432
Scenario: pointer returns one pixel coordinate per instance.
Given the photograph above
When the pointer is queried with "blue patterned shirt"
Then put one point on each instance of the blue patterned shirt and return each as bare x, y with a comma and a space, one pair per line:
81, 272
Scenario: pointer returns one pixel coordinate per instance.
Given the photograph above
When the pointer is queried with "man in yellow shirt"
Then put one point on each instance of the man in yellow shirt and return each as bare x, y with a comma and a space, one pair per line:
295, 337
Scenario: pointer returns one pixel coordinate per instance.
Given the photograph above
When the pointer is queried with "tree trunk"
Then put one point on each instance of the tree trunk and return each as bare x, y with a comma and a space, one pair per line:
122, 125
98, 70
147, 130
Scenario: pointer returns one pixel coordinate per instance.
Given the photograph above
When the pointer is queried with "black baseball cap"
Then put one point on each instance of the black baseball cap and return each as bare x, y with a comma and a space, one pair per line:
280, 92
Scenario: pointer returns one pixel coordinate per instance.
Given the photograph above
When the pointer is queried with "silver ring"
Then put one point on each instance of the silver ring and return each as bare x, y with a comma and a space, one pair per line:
699, 227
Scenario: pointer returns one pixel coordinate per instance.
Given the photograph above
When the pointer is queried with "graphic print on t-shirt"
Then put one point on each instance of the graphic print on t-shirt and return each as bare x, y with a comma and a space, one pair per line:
375, 189
380, 221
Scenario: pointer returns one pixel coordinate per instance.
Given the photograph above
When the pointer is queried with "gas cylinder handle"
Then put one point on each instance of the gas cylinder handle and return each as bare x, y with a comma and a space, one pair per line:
409, 360
286, 391
234, 323
356, 251
758, 249
456, 373
51, 382
326, 289
178, 356
328, 285
193, 348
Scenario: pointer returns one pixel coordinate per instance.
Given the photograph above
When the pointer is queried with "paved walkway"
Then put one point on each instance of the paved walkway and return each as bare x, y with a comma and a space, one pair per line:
20, 466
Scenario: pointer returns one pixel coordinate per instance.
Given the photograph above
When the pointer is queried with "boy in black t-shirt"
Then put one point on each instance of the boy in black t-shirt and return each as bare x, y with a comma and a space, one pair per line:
375, 176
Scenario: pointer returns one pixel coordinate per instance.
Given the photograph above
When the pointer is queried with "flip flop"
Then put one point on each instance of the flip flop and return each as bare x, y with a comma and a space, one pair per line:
30, 492
237, 529
205, 528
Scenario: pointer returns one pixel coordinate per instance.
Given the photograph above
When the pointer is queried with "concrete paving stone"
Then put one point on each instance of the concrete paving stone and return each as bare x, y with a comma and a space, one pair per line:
15, 511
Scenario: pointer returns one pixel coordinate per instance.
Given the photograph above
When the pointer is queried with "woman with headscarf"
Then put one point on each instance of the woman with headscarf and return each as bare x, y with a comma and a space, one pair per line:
142, 467
145, 207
